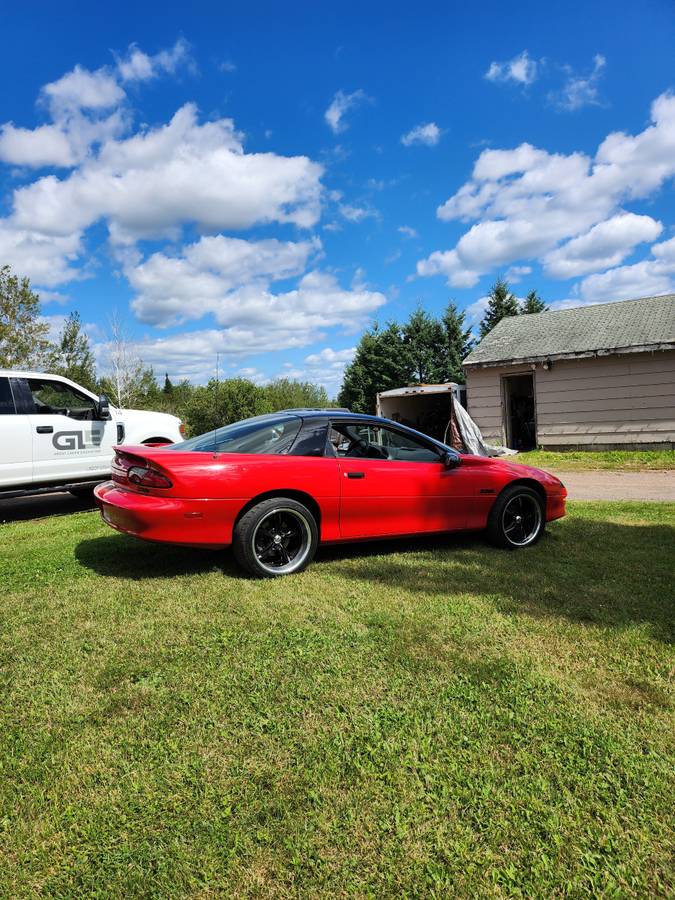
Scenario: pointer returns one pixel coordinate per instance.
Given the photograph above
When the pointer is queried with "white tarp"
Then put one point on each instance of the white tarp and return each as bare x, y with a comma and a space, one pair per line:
472, 438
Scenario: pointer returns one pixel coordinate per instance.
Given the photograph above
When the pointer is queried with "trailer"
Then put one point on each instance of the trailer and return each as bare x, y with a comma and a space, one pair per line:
438, 410
426, 407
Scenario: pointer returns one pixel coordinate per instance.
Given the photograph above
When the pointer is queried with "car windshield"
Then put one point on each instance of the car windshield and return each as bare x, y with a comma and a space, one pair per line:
260, 435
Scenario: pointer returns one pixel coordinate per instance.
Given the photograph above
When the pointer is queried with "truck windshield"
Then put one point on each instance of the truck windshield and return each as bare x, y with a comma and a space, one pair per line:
266, 434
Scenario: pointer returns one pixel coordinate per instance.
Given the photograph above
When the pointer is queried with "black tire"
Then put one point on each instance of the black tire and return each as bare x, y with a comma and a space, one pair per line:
275, 537
517, 519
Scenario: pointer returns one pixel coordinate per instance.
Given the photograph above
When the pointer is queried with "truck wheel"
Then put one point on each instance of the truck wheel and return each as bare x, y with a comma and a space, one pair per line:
276, 537
517, 518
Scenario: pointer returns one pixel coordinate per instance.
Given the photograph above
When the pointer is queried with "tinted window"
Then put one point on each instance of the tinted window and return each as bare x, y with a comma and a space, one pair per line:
6, 399
57, 398
250, 436
365, 441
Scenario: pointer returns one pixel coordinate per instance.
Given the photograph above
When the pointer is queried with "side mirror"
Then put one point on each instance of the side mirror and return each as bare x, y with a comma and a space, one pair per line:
450, 459
103, 407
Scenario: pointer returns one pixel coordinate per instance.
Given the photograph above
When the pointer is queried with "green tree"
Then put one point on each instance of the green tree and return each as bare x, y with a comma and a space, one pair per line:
23, 337
72, 356
283, 393
501, 304
533, 304
222, 402
458, 342
168, 387
425, 348
380, 363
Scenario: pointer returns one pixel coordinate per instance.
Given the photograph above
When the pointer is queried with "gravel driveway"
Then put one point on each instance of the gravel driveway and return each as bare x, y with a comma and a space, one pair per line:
612, 485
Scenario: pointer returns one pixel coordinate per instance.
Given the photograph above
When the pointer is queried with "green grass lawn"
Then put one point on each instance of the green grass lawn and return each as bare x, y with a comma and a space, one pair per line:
590, 459
429, 718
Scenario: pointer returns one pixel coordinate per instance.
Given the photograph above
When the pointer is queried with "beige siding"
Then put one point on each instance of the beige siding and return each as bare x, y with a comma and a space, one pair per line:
628, 399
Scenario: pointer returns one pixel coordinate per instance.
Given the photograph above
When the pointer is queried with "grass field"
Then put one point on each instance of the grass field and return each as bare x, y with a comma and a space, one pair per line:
590, 459
431, 718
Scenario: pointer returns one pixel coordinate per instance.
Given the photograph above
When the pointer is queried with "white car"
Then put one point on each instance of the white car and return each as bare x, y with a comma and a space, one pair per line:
56, 435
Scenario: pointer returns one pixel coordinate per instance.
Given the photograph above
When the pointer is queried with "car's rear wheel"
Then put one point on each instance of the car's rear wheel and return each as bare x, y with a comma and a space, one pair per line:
517, 518
275, 537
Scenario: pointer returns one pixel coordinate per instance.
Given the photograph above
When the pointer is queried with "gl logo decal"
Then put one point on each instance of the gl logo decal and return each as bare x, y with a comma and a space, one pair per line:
68, 440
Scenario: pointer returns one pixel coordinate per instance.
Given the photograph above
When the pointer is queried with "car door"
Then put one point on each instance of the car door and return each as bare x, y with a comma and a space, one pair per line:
391, 482
16, 445
69, 441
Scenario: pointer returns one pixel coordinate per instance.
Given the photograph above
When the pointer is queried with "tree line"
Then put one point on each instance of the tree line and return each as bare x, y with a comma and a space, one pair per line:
425, 349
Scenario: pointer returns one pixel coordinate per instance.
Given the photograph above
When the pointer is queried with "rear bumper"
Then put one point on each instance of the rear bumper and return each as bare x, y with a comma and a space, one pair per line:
195, 523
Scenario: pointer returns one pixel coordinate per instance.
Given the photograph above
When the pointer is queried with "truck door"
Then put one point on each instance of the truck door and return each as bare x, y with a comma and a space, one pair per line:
69, 442
16, 445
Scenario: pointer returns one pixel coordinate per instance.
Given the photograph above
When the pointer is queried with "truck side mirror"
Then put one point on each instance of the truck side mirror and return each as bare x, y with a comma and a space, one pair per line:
103, 407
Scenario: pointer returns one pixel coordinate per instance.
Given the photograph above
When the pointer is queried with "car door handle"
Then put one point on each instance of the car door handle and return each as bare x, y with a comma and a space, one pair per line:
355, 474
45, 429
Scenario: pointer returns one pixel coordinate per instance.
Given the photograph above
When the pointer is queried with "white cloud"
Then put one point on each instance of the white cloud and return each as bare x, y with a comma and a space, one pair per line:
228, 66
184, 171
407, 231
515, 273
86, 108
172, 290
45, 259
580, 90
357, 213
428, 134
139, 66
520, 70
340, 105
525, 202
327, 367
649, 277
604, 245
257, 321
82, 89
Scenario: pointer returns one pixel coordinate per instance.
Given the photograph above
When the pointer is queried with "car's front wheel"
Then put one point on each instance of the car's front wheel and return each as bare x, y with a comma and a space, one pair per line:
517, 518
275, 537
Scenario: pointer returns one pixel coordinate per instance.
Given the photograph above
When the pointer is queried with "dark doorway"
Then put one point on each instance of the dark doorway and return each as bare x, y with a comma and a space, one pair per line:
521, 428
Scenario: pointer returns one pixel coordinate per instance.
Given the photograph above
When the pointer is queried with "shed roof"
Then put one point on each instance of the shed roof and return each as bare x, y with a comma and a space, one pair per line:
628, 326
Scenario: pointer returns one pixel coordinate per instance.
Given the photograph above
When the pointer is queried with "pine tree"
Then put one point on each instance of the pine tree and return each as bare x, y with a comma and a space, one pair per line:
458, 343
168, 386
72, 356
424, 347
380, 363
501, 303
533, 304
23, 336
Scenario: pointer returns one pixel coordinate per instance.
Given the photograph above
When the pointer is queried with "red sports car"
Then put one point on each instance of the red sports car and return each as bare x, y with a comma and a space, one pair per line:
275, 486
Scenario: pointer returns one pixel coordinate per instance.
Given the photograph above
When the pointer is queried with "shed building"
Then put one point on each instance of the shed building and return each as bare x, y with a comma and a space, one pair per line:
593, 377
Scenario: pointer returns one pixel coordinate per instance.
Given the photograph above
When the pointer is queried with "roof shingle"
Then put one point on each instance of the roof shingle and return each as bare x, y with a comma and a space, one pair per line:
624, 326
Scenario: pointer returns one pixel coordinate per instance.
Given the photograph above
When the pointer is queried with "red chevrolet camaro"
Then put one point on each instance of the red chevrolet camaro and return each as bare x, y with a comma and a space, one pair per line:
275, 486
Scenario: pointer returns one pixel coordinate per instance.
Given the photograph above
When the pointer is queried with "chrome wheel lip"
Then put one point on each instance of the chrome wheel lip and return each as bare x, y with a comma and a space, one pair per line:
305, 547
537, 522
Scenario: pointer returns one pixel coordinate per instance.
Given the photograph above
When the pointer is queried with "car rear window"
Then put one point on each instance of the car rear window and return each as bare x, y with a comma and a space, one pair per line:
268, 435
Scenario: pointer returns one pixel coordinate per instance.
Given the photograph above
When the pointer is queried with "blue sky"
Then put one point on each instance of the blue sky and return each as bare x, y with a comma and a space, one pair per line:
265, 181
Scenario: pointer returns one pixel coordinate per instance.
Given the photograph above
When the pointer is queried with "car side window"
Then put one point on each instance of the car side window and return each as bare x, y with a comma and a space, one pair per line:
7, 407
365, 441
57, 398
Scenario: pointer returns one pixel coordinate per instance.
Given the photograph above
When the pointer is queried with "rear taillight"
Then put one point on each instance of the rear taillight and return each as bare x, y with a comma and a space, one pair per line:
150, 478
181, 428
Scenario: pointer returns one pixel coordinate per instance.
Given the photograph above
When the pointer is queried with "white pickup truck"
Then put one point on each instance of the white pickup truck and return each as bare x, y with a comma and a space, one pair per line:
58, 436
